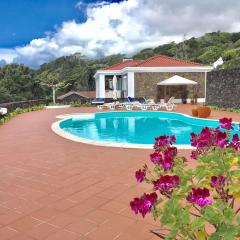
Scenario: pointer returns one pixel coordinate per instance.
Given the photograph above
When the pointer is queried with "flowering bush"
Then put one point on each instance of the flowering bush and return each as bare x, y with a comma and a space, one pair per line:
200, 203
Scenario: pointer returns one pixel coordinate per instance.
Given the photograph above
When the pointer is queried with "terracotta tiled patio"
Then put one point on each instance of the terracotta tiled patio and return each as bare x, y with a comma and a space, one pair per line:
55, 189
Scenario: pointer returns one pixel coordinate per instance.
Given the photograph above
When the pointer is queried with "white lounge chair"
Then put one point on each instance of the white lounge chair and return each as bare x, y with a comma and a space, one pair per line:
111, 106
3, 111
169, 105
150, 103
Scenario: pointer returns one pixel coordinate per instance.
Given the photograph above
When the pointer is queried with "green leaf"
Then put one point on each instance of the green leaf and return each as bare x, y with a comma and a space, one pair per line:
197, 224
229, 215
212, 216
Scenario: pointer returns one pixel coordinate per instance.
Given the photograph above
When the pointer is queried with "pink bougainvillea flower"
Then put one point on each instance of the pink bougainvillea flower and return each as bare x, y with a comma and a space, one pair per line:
226, 123
194, 154
218, 182
166, 184
204, 139
140, 175
200, 196
166, 159
167, 164
156, 157
194, 139
163, 141
208, 138
235, 143
170, 152
221, 139
144, 204
135, 204
172, 139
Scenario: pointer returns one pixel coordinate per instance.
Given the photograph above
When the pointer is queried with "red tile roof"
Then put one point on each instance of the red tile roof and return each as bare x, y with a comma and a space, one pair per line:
121, 65
155, 61
165, 61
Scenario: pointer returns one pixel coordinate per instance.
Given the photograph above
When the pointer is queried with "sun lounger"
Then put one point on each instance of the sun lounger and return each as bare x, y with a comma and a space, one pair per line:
170, 104
111, 106
150, 103
131, 104
156, 106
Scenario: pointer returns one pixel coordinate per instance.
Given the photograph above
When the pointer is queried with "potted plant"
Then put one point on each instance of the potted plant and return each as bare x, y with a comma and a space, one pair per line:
203, 111
195, 111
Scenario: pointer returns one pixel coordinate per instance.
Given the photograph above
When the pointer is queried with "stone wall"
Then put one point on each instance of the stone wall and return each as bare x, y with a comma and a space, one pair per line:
223, 88
146, 85
23, 104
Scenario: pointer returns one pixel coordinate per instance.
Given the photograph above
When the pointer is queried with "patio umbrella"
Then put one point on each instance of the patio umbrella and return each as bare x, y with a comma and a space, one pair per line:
174, 81
115, 87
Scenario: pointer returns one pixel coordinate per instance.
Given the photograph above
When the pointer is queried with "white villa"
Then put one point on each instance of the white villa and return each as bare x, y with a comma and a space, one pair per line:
142, 78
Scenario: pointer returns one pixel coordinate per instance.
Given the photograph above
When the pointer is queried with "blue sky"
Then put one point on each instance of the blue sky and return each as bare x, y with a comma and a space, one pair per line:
37, 31
23, 20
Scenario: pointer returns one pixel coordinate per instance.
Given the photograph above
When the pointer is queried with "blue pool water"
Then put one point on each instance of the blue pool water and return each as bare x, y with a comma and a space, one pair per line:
135, 127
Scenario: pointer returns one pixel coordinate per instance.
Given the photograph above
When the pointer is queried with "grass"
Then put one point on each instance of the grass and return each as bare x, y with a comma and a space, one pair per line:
235, 110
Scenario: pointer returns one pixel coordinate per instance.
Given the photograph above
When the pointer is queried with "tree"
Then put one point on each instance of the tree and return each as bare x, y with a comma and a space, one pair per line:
53, 81
19, 83
211, 55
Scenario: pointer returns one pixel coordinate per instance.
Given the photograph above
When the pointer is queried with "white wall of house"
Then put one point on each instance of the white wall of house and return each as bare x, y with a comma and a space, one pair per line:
130, 84
97, 87
100, 86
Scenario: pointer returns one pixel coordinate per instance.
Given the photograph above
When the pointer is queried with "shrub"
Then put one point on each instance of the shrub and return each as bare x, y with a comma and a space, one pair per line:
17, 111
79, 104
195, 203
235, 110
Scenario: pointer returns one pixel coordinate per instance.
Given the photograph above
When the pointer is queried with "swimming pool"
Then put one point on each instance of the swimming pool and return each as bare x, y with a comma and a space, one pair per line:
131, 129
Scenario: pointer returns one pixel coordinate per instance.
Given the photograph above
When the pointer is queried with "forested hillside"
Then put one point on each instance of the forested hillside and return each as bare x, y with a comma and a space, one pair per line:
18, 82
206, 49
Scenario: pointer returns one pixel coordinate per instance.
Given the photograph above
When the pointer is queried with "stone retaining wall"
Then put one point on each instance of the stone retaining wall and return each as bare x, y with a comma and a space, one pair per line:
223, 88
23, 104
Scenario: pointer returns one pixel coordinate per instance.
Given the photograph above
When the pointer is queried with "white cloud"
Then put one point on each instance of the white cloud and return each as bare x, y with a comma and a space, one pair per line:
7, 55
129, 26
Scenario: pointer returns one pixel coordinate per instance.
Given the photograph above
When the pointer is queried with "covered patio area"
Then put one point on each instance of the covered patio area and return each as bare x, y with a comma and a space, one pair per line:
124, 85
178, 87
